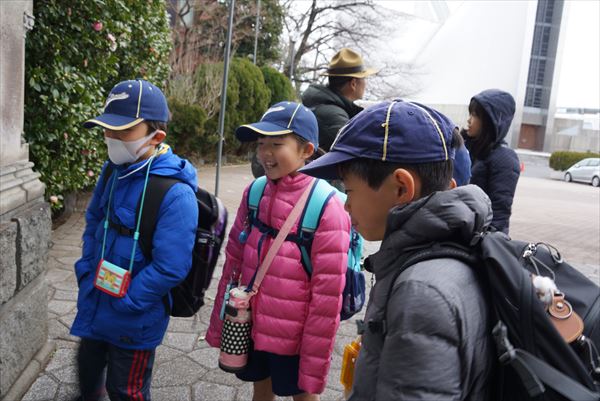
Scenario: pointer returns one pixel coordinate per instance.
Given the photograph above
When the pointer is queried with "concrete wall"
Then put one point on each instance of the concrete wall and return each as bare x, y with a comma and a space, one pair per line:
570, 134
12, 37
23, 290
574, 137
25, 221
458, 113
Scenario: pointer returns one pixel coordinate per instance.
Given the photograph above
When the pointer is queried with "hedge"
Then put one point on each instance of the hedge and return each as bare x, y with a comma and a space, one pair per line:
562, 160
279, 85
186, 132
247, 99
74, 55
195, 104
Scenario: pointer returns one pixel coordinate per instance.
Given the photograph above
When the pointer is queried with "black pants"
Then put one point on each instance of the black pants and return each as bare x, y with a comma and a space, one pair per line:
128, 374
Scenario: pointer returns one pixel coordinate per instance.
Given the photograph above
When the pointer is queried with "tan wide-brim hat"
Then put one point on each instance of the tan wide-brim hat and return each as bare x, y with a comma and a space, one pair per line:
348, 63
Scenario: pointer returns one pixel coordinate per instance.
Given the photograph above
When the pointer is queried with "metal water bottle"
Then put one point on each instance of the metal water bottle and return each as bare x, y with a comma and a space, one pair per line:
235, 337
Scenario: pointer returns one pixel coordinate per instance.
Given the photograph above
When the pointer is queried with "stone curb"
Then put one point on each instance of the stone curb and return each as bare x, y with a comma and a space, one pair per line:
30, 373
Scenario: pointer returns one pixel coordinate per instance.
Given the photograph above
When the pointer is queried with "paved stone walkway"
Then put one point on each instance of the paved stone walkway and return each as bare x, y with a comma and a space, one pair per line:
186, 368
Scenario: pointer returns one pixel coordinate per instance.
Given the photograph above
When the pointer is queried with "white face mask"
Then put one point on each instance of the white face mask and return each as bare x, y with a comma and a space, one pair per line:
121, 152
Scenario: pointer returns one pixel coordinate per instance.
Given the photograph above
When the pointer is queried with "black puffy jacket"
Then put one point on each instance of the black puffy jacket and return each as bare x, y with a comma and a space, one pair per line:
498, 171
332, 110
437, 343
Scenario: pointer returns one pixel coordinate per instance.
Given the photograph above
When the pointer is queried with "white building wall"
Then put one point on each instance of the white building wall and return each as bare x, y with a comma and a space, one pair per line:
482, 45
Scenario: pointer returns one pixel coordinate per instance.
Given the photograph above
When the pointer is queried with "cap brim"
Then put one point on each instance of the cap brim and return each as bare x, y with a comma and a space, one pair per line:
250, 132
326, 166
361, 74
112, 121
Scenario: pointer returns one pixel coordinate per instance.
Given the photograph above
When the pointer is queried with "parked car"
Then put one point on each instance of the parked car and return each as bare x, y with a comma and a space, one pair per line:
586, 170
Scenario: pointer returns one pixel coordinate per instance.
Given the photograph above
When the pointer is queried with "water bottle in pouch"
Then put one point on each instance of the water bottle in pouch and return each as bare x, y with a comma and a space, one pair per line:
235, 337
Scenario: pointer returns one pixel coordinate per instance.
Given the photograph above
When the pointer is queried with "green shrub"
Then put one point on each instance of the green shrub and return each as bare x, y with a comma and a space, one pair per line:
76, 52
279, 85
195, 106
186, 130
247, 99
562, 160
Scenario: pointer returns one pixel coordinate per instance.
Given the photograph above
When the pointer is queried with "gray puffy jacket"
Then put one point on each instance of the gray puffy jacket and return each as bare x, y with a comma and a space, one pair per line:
437, 343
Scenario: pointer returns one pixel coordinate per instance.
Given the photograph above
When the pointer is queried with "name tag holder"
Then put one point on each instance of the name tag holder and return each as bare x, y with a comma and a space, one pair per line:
110, 278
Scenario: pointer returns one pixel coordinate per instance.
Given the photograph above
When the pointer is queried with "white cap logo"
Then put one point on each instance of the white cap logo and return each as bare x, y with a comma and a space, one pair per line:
115, 96
272, 110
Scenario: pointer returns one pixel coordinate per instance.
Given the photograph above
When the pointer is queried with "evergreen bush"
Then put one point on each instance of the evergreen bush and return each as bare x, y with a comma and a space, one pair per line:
74, 55
186, 132
248, 98
279, 85
562, 160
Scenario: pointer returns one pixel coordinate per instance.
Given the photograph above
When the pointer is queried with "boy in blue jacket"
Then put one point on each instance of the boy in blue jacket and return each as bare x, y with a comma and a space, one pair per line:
120, 326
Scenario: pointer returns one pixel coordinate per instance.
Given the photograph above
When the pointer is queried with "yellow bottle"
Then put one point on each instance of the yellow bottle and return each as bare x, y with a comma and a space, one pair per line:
348, 361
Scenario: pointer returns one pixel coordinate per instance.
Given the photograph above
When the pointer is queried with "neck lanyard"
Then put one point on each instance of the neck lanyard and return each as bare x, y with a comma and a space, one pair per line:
136, 234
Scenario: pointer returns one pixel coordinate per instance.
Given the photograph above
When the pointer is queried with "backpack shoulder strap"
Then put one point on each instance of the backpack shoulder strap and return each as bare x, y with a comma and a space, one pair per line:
207, 208
158, 186
320, 194
257, 189
436, 251
535, 372
108, 170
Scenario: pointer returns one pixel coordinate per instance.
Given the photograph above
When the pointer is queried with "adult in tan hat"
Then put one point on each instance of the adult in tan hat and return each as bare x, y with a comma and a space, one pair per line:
334, 104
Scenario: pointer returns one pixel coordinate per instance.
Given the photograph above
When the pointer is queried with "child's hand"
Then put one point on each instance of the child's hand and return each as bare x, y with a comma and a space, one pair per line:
123, 305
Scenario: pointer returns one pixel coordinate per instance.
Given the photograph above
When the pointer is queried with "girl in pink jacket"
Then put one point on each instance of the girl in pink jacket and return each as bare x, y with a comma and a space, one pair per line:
295, 317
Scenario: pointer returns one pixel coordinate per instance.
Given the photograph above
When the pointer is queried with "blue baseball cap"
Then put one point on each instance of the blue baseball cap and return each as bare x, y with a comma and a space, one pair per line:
283, 118
129, 103
395, 132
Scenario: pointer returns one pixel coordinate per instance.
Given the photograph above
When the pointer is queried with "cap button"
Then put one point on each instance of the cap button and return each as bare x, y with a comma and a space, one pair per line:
410, 112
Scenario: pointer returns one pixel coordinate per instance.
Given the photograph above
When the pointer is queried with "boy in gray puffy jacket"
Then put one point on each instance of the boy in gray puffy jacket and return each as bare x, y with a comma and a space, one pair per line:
428, 337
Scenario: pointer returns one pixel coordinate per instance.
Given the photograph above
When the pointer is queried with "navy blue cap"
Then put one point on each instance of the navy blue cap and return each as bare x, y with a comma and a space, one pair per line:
129, 103
283, 118
395, 132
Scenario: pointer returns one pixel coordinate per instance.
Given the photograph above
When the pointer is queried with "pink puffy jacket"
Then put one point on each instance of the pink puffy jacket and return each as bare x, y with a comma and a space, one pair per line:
292, 314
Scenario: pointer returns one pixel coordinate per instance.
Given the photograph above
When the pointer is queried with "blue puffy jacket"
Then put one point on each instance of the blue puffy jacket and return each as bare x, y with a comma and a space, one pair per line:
498, 171
139, 319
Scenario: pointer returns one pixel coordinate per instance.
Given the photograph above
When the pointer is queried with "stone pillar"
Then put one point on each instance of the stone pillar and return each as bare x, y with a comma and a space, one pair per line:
25, 222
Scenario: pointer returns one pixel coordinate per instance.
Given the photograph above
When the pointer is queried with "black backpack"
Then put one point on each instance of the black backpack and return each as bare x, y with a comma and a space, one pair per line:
188, 296
534, 361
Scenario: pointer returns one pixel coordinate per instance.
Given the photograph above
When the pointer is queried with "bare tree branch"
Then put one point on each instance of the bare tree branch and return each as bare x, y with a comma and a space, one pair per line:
321, 28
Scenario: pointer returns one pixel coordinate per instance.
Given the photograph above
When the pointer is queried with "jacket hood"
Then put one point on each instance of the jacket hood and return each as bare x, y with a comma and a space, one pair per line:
455, 215
500, 107
319, 94
166, 164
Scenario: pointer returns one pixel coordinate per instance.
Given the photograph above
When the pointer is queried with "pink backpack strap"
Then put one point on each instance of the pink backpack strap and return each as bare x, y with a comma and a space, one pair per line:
285, 230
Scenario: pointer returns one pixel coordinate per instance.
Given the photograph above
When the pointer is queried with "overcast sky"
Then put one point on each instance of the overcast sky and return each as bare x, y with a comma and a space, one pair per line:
579, 84
579, 81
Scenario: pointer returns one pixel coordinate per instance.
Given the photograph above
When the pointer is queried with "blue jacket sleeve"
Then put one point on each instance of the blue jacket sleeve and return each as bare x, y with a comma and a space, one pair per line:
172, 246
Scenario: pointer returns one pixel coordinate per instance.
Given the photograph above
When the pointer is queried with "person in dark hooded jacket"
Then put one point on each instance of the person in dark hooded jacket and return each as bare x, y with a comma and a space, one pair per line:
333, 104
427, 326
495, 166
